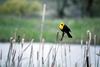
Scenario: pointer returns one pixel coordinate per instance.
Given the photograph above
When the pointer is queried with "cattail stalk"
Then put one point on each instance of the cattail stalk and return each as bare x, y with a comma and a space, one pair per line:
0, 58
88, 46
84, 63
19, 64
61, 57
13, 58
38, 61
87, 55
54, 58
69, 56
8, 61
48, 54
31, 56
87, 61
76, 64
42, 23
95, 49
48, 61
98, 59
81, 51
42, 52
65, 57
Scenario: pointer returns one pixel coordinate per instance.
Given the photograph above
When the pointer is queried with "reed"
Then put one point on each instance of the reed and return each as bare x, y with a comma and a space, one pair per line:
70, 56
31, 64
9, 55
13, 58
65, 56
41, 33
53, 58
95, 49
43, 52
88, 56
48, 61
42, 23
62, 63
19, 63
98, 65
38, 60
0, 58
76, 64
84, 58
48, 54
82, 52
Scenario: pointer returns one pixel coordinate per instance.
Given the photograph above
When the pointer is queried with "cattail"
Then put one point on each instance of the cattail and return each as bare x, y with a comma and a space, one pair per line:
27, 46
0, 55
87, 55
19, 64
76, 64
22, 42
81, 51
0, 58
41, 33
31, 56
98, 59
84, 63
38, 61
69, 56
42, 23
15, 33
89, 36
48, 54
54, 58
61, 56
88, 45
8, 61
43, 52
13, 58
57, 36
95, 49
48, 61
87, 61
81, 44
65, 57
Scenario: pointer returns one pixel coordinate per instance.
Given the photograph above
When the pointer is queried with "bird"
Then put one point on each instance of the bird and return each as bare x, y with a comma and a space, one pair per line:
65, 29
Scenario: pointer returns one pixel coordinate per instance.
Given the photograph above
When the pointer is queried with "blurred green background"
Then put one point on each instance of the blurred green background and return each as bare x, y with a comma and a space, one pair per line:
24, 18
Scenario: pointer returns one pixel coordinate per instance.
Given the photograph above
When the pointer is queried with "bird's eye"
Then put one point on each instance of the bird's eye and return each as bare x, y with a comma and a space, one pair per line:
62, 24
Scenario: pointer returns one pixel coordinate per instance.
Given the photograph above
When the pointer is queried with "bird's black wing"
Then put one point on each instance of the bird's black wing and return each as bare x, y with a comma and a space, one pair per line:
66, 28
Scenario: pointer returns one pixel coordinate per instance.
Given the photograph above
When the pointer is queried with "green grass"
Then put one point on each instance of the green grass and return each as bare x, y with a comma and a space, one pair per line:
30, 28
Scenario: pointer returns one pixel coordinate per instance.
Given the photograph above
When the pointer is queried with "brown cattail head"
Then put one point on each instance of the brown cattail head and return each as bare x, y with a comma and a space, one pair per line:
89, 36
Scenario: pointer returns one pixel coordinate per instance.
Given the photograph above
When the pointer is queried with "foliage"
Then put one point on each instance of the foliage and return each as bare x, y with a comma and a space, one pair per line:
20, 7
88, 8
96, 8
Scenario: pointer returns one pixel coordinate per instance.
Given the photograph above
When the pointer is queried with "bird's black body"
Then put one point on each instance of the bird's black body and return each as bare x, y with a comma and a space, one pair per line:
66, 30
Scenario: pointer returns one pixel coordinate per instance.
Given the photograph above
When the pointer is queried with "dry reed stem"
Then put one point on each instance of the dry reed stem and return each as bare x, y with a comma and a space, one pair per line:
31, 57
1, 58
95, 49
9, 55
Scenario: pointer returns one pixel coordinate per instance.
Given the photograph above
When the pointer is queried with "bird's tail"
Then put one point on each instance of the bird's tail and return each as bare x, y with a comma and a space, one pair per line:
69, 35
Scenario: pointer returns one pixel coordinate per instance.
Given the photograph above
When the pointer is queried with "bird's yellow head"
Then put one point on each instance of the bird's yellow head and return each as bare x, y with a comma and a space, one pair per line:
61, 25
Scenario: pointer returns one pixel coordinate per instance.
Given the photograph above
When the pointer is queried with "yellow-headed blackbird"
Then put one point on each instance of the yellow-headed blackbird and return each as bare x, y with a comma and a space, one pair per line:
65, 29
